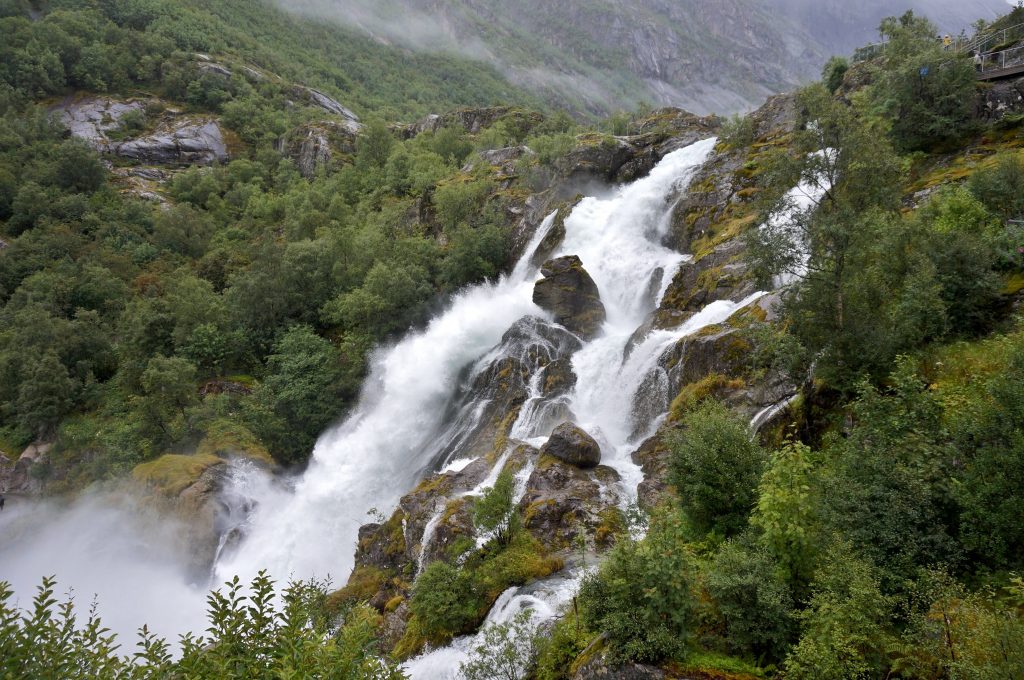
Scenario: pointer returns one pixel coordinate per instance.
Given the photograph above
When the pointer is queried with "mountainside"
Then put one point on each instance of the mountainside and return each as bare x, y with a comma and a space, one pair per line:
606, 55
507, 393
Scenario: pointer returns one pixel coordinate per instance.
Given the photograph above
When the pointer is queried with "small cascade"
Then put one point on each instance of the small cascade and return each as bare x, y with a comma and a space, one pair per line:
765, 415
244, 482
543, 600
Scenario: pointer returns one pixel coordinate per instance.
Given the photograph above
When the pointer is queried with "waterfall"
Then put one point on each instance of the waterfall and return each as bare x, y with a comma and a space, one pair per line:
424, 403
380, 451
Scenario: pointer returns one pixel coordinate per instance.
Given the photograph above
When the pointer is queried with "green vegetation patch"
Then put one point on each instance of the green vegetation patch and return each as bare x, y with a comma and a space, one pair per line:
172, 473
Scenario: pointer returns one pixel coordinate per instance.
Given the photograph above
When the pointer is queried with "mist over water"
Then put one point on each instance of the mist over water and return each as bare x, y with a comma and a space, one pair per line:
112, 548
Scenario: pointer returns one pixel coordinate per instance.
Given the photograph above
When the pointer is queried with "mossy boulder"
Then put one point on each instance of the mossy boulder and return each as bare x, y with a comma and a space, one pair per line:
558, 378
171, 474
569, 293
571, 444
563, 501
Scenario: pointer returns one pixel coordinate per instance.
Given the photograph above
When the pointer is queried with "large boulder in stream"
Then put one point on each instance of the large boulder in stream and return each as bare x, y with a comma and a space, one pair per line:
573, 445
568, 292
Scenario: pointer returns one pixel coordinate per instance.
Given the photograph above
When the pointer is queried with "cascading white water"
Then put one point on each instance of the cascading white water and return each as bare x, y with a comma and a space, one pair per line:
403, 420
378, 452
619, 240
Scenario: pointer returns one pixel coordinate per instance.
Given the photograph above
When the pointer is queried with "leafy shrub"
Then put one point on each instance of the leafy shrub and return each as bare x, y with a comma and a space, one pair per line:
252, 635
494, 513
445, 601
641, 596
750, 600
715, 466
843, 629
738, 132
833, 72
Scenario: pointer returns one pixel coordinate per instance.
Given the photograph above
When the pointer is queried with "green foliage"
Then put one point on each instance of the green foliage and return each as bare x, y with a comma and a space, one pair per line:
45, 395
507, 651
833, 72
169, 389
494, 513
445, 601
751, 602
452, 144
990, 488
375, 142
843, 629
927, 93
560, 644
253, 635
788, 511
715, 467
641, 596
551, 147
1001, 187
457, 201
887, 492
870, 283
301, 392
738, 131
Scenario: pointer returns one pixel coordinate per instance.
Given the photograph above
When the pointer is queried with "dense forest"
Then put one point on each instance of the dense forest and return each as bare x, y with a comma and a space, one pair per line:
878, 533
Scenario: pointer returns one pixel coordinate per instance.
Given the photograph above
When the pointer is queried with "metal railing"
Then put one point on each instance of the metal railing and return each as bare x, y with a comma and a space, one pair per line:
983, 42
999, 61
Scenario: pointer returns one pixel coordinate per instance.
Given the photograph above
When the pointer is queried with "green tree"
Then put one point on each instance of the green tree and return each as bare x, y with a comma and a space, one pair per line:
715, 465
76, 167
458, 201
833, 72
788, 512
843, 631
887, 490
445, 601
303, 388
45, 395
169, 390
495, 513
926, 92
990, 488
863, 285
1001, 187
641, 597
750, 599
374, 144
451, 144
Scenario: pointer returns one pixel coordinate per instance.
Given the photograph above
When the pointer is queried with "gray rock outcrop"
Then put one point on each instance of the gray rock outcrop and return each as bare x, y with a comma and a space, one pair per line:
317, 146
91, 119
573, 445
327, 103
181, 142
176, 140
572, 297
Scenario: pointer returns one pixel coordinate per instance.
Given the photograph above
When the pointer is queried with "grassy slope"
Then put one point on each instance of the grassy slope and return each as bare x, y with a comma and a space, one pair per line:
367, 76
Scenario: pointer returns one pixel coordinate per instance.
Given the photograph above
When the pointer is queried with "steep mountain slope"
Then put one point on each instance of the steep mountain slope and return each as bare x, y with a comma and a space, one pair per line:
606, 55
